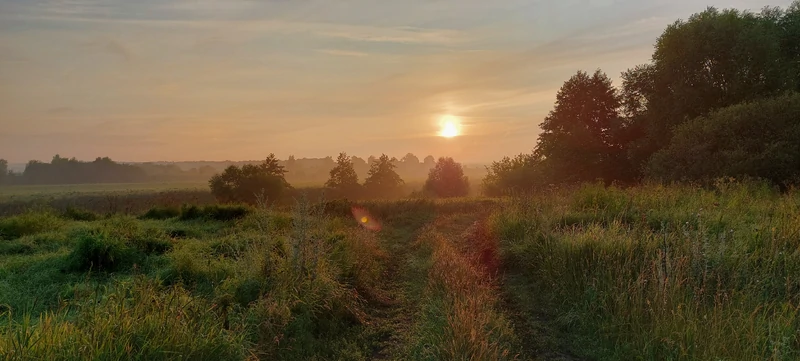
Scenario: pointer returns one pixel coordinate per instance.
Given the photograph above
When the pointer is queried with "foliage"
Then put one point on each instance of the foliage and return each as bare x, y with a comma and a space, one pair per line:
382, 181
582, 139
712, 60
70, 171
344, 180
245, 184
447, 179
756, 139
509, 175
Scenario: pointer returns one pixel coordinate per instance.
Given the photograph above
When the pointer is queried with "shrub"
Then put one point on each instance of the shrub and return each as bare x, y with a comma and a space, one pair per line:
447, 179
29, 223
756, 139
161, 212
509, 175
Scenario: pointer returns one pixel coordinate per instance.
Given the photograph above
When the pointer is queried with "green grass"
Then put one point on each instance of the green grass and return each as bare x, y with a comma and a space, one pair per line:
660, 272
651, 272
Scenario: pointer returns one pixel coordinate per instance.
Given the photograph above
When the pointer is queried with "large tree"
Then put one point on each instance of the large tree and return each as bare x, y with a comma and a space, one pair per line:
712, 60
343, 180
247, 183
447, 179
582, 138
382, 180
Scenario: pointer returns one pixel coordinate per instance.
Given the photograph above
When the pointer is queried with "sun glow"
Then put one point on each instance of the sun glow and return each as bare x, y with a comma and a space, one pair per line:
449, 126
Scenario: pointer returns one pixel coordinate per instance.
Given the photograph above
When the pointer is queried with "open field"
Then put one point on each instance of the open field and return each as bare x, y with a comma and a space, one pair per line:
651, 272
33, 192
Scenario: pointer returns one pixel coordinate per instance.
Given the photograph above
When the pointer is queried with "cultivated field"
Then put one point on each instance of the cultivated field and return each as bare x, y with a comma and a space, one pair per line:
591, 273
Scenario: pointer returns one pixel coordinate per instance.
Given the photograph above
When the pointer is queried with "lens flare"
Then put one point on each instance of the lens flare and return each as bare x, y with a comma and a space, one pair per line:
365, 219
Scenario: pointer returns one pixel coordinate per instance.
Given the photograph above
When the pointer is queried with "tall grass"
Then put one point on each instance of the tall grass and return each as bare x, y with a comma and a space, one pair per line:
239, 283
663, 272
460, 316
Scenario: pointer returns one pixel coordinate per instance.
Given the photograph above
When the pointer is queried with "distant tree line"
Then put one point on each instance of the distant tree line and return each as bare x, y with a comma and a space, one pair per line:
267, 182
303, 171
718, 99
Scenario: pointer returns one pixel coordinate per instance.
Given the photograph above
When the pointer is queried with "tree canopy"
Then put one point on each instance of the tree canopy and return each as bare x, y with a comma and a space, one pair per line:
344, 180
382, 180
447, 179
247, 183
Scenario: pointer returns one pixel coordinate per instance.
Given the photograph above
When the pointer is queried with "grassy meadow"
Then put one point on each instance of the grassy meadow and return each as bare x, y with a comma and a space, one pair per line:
590, 273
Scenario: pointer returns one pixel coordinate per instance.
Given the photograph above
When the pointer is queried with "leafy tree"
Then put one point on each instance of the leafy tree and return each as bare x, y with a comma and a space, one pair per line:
3, 171
382, 180
246, 183
344, 180
518, 174
429, 161
410, 159
713, 60
582, 139
447, 179
756, 139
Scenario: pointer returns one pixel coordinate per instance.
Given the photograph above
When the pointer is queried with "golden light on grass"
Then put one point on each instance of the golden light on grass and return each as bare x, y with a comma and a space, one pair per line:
450, 126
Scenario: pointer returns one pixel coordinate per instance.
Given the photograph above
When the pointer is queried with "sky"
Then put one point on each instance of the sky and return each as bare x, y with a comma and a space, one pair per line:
173, 80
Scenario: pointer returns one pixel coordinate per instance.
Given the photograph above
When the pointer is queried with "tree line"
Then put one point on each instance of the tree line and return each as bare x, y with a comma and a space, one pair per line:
720, 98
306, 171
266, 181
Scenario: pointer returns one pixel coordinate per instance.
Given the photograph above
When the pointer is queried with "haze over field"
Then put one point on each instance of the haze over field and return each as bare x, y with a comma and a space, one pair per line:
215, 80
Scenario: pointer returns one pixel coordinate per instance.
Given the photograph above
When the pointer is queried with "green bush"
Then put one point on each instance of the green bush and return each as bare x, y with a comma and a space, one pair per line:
29, 223
250, 182
756, 139
161, 212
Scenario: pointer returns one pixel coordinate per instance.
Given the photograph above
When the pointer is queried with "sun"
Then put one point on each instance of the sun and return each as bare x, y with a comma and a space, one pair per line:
449, 126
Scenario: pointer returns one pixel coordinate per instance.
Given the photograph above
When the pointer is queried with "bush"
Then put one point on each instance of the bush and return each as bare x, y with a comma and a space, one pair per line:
509, 175
29, 223
756, 139
447, 179
161, 212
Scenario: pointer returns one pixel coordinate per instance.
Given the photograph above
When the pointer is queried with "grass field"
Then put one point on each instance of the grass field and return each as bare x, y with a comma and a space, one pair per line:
651, 273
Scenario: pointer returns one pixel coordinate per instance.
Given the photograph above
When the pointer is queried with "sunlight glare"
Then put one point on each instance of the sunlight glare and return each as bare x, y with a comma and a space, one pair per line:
449, 126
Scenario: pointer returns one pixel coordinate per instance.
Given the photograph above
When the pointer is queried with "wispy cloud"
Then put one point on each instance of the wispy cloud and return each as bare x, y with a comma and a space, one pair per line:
338, 52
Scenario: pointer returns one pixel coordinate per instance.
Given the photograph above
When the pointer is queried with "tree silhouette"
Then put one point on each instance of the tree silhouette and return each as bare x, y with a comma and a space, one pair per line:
3, 171
245, 184
447, 179
580, 137
344, 180
382, 180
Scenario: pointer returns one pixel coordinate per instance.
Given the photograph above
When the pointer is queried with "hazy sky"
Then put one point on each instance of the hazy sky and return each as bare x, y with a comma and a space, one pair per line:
238, 79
